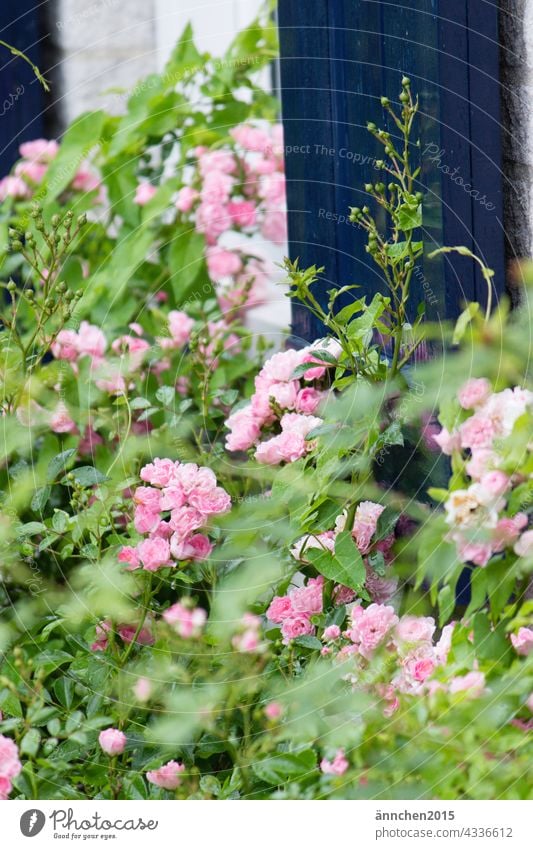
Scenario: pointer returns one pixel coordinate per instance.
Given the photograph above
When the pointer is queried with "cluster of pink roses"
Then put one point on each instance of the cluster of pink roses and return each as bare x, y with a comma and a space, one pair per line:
239, 188
234, 192
113, 742
10, 765
294, 610
380, 587
180, 499
478, 515
30, 171
282, 401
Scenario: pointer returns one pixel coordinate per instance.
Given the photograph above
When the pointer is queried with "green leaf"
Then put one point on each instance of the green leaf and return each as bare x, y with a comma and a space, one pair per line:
29, 745
30, 529
286, 767
409, 216
463, 321
88, 476
306, 641
64, 690
386, 522
59, 463
345, 567
186, 264
40, 498
166, 395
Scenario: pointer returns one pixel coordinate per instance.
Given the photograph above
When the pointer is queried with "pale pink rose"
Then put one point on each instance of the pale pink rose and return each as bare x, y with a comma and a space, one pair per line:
10, 765
159, 473
287, 447
187, 196
296, 626
365, 524
524, 546
210, 502
5, 788
133, 348
222, 263
419, 666
495, 483
216, 187
247, 642
272, 189
308, 600
308, 400
273, 710
60, 420
112, 741
85, 181
274, 226
221, 161
195, 547
144, 193
251, 138
91, 341
148, 497
523, 641
481, 462
370, 626
478, 553
244, 430
154, 553
343, 595
145, 520
172, 497
380, 589
443, 646
142, 689
508, 530
129, 555
243, 213
477, 432
473, 683
415, 629
529, 702
186, 622
332, 632
337, 766
284, 394
167, 776
474, 393
280, 609
212, 219
39, 150
185, 520
128, 632
32, 171
447, 442
302, 425
14, 187
280, 367
65, 346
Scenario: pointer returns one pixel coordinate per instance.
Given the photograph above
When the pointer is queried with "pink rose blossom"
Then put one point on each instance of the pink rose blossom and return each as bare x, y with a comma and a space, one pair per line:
332, 632
142, 689
91, 341
308, 599
274, 227
273, 710
308, 400
250, 138
243, 213
39, 150
296, 626
129, 555
154, 553
14, 187
447, 442
478, 553
186, 622
365, 524
186, 199
524, 546
508, 530
222, 263
472, 683
280, 609
415, 629
495, 483
145, 520
370, 626
167, 776
158, 473
337, 766
144, 193
523, 641
65, 346
10, 765
474, 393
60, 420
244, 429
477, 432
112, 741
195, 547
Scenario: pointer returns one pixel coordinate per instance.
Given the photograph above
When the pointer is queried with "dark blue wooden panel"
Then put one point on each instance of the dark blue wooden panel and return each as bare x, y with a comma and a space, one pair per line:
22, 99
337, 58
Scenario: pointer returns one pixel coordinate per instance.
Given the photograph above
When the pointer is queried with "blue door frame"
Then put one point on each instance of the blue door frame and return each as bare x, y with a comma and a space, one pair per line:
338, 57
22, 98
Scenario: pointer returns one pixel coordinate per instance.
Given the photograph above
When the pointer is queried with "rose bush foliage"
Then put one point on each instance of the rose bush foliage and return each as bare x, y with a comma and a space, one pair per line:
215, 582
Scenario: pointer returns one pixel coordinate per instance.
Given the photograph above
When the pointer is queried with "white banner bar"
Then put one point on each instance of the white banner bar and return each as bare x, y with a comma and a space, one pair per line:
268, 825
